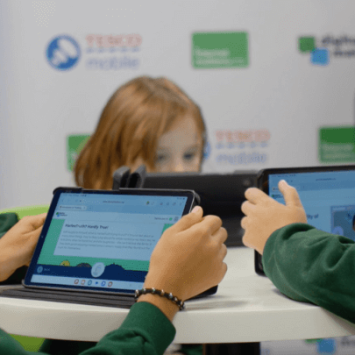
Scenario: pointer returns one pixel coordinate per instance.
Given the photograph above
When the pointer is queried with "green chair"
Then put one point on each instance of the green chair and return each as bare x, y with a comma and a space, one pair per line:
27, 210
28, 343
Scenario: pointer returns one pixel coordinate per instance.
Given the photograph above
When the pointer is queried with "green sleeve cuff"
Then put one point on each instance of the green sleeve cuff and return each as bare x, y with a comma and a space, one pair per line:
151, 320
271, 254
7, 221
146, 330
310, 265
279, 235
10, 346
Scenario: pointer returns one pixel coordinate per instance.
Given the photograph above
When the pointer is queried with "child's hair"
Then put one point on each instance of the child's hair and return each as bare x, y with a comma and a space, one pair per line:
131, 123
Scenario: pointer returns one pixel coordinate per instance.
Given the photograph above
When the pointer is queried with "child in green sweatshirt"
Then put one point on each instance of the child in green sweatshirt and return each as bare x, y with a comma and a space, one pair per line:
304, 263
148, 328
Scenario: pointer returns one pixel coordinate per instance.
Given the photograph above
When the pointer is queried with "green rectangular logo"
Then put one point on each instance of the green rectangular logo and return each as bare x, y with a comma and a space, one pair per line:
306, 44
220, 50
75, 143
337, 144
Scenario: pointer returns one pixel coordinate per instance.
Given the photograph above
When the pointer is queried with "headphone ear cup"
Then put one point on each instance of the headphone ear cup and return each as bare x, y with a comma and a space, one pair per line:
136, 179
121, 177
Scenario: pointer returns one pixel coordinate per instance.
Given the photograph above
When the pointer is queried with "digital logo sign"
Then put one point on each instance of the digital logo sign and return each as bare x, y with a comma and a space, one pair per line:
326, 49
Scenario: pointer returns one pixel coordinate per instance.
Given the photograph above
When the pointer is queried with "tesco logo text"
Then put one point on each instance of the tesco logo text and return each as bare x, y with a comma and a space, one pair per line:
113, 41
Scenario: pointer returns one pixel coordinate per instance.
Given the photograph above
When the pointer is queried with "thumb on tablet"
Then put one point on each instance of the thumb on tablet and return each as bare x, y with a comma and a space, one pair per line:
189, 220
290, 194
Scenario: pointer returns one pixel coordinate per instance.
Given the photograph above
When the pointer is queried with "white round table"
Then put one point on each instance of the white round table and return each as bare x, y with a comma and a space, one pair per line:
246, 308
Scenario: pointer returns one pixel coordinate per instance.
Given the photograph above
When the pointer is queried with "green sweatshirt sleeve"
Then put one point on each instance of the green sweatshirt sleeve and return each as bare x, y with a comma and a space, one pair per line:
145, 331
313, 266
7, 221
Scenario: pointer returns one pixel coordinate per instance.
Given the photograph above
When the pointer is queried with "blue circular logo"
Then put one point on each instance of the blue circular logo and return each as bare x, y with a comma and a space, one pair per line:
63, 52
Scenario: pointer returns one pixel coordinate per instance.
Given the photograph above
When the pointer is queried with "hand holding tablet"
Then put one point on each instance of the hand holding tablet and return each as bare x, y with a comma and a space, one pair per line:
187, 260
101, 237
264, 215
327, 195
95, 247
175, 265
19, 243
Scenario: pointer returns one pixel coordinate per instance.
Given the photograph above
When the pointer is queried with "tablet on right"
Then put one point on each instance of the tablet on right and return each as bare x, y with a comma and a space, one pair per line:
327, 194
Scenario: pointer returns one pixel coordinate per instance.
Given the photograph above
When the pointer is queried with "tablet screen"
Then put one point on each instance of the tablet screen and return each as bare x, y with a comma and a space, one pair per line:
328, 198
327, 194
101, 241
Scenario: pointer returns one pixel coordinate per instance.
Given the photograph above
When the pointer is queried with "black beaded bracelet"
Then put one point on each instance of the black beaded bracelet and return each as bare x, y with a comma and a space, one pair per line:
160, 293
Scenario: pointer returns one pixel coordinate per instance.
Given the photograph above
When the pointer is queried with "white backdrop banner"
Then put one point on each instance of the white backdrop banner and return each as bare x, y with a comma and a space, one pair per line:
268, 76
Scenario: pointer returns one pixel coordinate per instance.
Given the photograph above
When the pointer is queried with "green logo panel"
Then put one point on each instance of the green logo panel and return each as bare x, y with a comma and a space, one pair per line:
337, 144
220, 50
306, 44
75, 143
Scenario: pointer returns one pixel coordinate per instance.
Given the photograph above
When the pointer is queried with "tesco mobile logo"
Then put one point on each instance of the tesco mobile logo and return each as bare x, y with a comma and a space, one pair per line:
63, 52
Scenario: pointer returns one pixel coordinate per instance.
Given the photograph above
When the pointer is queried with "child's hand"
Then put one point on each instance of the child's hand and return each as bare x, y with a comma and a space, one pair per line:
18, 244
188, 258
264, 215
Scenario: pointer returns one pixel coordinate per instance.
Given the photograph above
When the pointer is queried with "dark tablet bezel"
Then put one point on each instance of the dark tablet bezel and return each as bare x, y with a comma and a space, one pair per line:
192, 200
221, 195
262, 182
